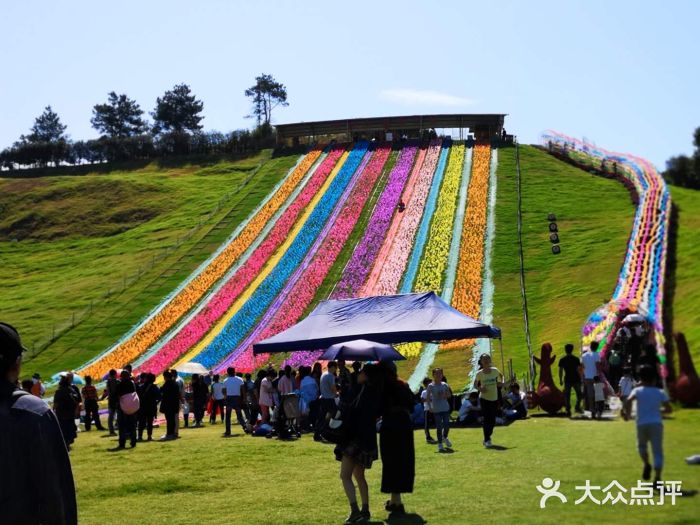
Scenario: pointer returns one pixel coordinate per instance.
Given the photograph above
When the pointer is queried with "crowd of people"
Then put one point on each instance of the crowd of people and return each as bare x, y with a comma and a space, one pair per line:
366, 411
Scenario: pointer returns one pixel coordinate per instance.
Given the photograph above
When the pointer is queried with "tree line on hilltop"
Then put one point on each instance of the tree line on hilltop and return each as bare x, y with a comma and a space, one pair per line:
126, 134
683, 170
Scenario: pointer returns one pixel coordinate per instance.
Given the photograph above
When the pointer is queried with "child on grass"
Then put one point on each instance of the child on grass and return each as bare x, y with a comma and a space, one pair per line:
650, 401
626, 385
427, 415
599, 392
438, 399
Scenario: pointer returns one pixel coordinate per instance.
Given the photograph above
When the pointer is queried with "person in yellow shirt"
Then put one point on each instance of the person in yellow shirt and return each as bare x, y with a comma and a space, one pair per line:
488, 381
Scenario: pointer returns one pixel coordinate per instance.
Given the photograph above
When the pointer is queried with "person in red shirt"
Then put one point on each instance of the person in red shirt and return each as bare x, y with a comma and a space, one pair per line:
92, 409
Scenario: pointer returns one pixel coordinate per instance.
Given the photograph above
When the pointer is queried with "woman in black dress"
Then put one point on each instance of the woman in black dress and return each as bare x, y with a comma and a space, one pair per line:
358, 448
396, 438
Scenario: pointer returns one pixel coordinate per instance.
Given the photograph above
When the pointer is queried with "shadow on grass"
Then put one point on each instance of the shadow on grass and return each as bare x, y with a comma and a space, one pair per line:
119, 449
499, 447
560, 415
584, 418
410, 518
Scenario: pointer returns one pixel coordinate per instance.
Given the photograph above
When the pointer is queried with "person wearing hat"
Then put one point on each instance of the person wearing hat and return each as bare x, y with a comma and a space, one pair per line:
36, 481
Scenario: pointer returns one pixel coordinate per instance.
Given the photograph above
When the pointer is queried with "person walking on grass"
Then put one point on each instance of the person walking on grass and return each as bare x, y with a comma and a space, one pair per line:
200, 395
170, 400
591, 368
358, 448
488, 381
651, 401
126, 422
438, 398
396, 439
185, 404
329, 392
36, 481
92, 410
218, 399
149, 395
234, 389
570, 378
599, 390
427, 414
625, 385
65, 405
110, 393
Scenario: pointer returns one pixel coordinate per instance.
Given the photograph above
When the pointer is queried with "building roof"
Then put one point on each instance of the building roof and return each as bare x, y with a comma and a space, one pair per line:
328, 127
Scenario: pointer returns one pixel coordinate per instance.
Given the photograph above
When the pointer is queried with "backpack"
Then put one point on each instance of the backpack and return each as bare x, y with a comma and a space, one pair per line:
129, 403
336, 430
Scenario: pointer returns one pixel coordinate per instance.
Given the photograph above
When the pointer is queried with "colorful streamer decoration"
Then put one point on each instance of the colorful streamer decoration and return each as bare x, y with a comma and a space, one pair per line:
640, 284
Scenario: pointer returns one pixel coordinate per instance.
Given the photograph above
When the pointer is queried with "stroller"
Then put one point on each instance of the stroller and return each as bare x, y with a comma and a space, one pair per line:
288, 416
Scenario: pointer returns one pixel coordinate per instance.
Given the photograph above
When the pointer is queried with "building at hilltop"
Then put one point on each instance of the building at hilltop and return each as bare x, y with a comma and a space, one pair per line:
477, 126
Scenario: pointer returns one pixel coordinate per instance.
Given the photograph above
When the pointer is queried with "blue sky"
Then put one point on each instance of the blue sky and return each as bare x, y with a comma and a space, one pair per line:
623, 74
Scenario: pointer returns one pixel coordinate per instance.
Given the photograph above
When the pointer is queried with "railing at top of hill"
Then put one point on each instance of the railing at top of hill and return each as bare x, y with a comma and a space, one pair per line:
640, 285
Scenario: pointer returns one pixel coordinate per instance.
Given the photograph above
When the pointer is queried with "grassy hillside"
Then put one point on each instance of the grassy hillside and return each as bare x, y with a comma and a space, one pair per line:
159, 223
133, 234
594, 216
686, 304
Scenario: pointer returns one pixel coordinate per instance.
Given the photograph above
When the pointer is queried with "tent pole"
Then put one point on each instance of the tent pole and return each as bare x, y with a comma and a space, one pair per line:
503, 363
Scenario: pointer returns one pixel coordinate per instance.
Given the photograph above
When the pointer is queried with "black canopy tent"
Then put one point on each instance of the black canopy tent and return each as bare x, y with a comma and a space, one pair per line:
390, 319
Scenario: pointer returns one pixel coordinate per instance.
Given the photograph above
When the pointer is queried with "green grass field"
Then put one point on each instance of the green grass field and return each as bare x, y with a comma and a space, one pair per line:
260, 481
134, 234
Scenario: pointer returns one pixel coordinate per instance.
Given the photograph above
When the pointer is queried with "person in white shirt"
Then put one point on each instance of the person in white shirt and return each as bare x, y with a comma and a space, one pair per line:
234, 388
599, 390
516, 403
626, 384
590, 361
285, 385
469, 411
181, 387
650, 429
218, 399
427, 415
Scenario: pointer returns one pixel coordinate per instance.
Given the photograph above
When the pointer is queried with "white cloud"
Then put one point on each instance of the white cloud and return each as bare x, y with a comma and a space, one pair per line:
418, 97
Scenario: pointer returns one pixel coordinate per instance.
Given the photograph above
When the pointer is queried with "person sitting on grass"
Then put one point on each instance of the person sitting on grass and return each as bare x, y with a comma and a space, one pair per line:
516, 403
470, 411
650, 401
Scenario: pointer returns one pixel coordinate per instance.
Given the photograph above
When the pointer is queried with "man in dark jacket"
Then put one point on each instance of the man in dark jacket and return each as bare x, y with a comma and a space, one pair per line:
36, 482
149, 395
170, 404
112, 400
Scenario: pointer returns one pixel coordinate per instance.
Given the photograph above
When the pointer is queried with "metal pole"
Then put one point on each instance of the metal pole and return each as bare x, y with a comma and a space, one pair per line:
503, 363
